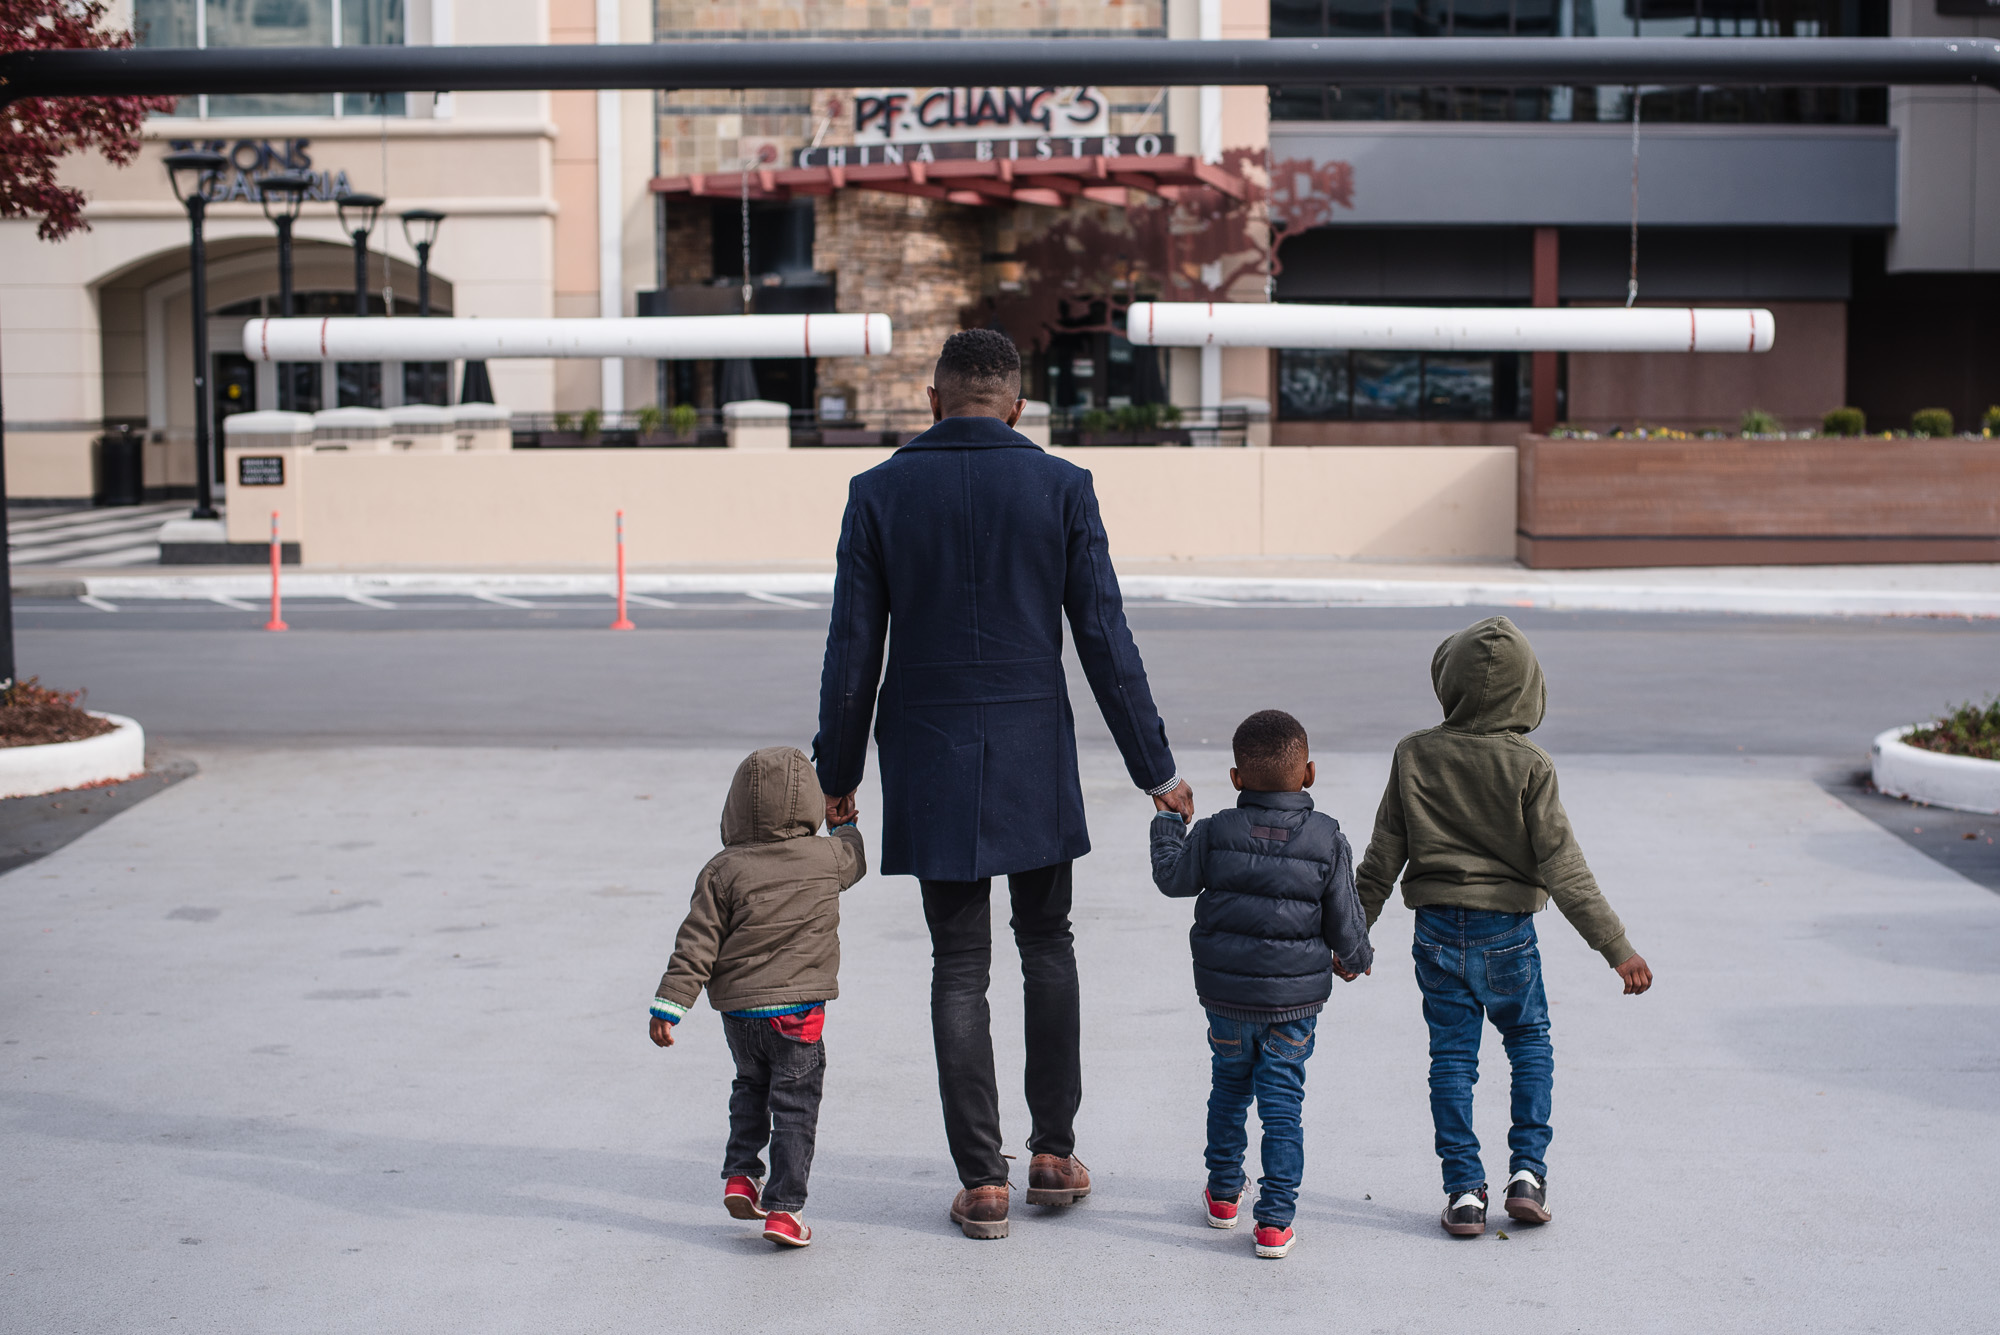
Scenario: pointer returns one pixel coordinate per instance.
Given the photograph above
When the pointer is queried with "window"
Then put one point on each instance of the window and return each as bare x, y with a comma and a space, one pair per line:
1316, 385
1582, 18
241, 23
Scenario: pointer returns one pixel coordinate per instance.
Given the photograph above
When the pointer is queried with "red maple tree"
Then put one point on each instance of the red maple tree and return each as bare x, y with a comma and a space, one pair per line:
36, 133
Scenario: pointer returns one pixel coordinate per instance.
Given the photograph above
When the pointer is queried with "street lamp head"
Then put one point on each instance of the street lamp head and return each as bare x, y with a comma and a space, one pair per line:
420, 227
193, 172
283, 194
357, 212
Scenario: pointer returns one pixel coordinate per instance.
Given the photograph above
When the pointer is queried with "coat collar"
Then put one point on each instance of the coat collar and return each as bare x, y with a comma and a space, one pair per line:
971, 433
1275, 801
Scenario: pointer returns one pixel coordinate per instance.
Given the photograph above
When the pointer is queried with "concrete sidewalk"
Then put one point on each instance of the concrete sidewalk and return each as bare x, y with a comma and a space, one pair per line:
354, 1042
1902, 590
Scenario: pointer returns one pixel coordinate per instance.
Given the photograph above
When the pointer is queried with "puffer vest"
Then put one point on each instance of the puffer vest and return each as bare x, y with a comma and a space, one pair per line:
1257, 936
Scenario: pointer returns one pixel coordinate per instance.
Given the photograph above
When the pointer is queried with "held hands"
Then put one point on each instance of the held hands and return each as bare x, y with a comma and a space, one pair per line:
662, 1033
1180, 801
1345, 975
840, 810
1638, 977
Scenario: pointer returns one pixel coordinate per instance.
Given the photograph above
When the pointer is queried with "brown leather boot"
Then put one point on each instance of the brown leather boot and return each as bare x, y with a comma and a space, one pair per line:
1053, 1181
981, 1211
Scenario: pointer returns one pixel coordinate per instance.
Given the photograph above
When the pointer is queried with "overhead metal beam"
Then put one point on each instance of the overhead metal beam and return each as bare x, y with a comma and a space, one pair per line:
1460, 61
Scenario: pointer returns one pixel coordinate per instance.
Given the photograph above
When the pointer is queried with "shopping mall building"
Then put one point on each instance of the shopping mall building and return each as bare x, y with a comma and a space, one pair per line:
1867, 219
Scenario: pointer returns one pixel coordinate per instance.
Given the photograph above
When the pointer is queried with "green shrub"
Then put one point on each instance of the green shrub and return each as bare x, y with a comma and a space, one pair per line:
565, 421
593, 421
1932, 422
651, 419
1969, 730
1757, 422
1138, 417
1097, 420
1170, 415
683, 418
1844, 422
1992, 420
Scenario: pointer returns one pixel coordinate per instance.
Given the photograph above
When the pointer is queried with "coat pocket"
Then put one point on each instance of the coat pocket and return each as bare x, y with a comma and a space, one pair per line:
1509, 969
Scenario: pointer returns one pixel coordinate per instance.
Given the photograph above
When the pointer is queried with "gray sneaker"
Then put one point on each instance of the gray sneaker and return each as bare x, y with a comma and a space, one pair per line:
1465, 1212
1528, 1197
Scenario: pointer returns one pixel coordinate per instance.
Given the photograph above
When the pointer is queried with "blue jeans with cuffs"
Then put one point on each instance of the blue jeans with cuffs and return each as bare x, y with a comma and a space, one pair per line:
1266, 1062
1474, 965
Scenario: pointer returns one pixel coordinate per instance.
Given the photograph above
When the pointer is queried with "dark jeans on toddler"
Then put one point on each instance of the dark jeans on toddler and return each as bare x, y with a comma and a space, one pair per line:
774, 1100
1266, 1062
1474, 965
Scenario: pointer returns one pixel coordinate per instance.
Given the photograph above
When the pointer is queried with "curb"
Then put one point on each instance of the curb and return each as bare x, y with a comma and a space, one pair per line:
1192, 589
27, 771
1962, 783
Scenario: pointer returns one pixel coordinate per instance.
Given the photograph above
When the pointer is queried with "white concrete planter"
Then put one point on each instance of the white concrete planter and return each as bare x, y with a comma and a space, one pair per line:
119, 754
1959, 782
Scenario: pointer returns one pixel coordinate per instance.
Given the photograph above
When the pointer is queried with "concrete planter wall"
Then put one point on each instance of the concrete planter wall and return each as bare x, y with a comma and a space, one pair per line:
1598, 503
119, 754
1959, 782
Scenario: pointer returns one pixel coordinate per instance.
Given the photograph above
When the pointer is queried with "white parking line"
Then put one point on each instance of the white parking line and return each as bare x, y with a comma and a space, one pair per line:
645, 600
781, 600
90, 600
370, 600
501, 598
227, 601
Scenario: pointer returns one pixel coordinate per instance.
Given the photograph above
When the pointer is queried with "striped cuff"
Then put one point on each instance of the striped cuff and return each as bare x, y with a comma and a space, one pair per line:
670, 1011
1166, 787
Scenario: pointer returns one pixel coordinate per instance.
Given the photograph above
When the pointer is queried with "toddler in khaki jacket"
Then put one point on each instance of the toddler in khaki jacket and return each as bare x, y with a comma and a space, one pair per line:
763, 934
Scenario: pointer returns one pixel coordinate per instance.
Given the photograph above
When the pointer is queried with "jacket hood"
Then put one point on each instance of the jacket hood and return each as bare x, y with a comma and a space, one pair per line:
1488, 679
773, 796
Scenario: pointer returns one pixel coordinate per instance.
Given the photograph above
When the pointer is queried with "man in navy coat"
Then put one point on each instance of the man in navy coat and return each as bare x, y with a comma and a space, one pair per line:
972, 544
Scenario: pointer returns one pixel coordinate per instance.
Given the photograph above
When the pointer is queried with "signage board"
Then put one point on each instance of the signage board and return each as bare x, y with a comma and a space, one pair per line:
1040, 148
907, 115
251, 158
260, 470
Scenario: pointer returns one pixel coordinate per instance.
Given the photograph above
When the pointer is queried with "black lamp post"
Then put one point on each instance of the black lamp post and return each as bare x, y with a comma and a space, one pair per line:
357, 219
194, 174
283, 194
420, 229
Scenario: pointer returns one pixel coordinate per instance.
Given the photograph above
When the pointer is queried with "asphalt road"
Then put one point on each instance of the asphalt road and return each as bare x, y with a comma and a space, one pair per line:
737, 673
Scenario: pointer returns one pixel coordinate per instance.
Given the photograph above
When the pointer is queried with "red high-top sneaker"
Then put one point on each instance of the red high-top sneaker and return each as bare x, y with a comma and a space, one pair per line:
1221, 1214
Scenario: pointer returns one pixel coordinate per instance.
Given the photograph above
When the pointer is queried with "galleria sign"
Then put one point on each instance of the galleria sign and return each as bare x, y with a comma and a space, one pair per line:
892, 115
251, 158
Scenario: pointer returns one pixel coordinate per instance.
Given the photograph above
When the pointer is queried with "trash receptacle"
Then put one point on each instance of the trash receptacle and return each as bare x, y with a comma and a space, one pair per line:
118, 469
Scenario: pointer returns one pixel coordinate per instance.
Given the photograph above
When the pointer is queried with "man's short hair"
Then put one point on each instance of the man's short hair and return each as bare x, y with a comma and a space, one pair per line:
1267, 744
979, 366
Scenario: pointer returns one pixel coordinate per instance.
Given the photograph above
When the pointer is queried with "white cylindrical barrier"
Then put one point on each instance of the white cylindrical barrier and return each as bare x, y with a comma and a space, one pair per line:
657, 337
1196, 324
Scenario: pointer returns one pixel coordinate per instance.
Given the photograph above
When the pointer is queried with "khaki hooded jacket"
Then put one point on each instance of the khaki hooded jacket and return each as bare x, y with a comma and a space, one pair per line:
764, 926
1471, 817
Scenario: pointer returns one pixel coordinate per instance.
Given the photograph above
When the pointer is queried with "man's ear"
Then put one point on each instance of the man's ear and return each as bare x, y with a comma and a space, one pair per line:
1235, 782
1311, 773
937, 408
1015, 416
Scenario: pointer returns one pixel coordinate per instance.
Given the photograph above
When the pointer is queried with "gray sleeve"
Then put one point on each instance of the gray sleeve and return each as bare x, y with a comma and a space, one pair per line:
1342, 922
1178, 854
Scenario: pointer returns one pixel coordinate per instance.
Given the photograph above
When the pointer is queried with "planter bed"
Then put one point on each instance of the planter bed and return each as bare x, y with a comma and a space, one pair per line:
1597, 503
1963, 783
119, 754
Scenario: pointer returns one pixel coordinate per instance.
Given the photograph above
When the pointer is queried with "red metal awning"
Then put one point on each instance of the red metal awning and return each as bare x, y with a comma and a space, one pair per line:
1052, 181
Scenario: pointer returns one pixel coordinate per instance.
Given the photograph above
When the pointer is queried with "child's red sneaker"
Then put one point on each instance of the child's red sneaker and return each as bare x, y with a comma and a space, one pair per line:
784, 1228
1273, 1243
1221, 1214
740, 1196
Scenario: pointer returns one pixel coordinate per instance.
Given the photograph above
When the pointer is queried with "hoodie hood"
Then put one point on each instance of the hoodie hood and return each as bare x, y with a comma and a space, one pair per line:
773, 796
1488, 680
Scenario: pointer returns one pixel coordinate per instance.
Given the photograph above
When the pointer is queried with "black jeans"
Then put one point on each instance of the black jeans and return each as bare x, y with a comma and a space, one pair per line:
960, 919
774, 1100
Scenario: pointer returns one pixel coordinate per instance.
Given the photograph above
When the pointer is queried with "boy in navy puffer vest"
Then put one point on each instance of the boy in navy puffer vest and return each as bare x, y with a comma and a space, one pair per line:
1277, 918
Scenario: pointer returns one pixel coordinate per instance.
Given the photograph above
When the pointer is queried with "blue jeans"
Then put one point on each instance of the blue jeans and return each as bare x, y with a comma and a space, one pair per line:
1474, 965
1266, 1062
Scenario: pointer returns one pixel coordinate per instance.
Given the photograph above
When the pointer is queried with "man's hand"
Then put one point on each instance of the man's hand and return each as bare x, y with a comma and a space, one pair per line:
1180, 801
1636, 975
840, 810
663, 1033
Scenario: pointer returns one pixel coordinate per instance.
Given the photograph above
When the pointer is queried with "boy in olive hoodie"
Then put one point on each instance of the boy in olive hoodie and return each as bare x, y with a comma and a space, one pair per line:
763, 933
1472, 822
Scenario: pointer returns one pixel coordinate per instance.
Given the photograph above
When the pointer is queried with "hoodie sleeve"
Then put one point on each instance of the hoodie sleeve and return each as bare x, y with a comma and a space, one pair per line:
850, 855
1565, 875
1343, 924
695, 949
1178, 855
1388, 847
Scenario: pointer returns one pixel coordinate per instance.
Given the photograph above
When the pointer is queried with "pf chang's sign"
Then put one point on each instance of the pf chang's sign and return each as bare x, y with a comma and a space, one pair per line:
249, 159
1039, 149
905, 115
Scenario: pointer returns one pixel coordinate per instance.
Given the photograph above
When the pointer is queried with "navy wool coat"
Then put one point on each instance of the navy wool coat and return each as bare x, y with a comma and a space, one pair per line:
965, 550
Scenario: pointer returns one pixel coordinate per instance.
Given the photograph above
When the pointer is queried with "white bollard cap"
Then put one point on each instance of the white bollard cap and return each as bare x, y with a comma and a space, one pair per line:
756, 410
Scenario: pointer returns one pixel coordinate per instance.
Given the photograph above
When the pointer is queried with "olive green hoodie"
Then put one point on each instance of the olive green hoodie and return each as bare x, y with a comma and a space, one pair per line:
1471, 817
